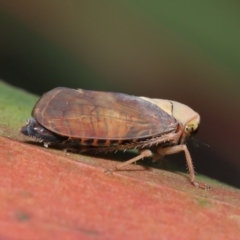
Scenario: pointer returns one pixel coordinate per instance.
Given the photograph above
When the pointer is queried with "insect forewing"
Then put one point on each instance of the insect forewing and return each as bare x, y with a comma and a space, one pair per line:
103, 115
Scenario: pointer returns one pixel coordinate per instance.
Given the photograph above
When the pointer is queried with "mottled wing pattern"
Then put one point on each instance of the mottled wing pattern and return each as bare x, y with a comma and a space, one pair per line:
100, 115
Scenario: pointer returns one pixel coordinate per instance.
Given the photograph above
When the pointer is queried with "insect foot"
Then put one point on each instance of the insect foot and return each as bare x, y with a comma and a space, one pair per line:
109, 171
201, 185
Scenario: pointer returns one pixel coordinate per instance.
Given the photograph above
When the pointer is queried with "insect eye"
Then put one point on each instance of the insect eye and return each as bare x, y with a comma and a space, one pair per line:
192, 128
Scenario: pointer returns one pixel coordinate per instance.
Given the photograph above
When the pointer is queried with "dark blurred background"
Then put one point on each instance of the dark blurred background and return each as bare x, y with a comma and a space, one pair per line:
186, 51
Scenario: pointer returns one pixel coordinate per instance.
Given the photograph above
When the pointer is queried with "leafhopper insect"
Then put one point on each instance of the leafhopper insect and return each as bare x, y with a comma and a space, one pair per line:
108, 121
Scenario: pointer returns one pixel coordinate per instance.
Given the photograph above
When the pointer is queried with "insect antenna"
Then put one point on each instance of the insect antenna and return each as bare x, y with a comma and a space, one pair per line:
196, 142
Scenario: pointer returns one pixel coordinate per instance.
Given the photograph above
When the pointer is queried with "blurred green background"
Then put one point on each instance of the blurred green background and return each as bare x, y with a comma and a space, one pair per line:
186, 51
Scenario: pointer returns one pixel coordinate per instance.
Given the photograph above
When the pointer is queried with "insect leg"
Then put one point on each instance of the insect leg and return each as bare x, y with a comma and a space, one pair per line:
142, 154
179, 148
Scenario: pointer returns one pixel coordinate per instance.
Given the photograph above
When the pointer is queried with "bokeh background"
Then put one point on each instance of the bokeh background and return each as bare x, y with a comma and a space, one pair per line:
186, 51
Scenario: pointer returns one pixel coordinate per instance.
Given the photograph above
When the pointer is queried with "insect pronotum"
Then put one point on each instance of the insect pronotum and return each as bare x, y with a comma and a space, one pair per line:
108, 121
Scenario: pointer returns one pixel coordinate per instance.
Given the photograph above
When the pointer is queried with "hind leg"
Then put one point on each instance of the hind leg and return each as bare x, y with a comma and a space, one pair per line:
142, 154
